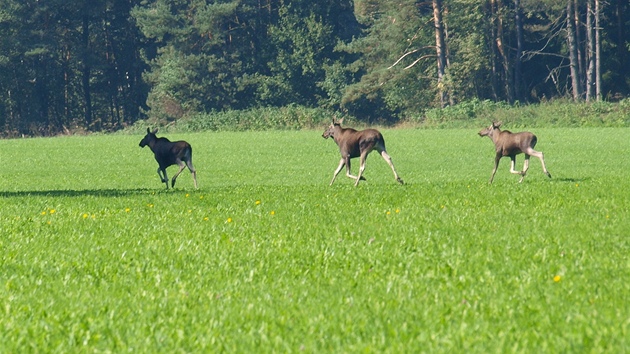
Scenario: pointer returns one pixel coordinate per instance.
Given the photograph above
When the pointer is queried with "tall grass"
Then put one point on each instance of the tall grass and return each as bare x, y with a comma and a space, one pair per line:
265, 257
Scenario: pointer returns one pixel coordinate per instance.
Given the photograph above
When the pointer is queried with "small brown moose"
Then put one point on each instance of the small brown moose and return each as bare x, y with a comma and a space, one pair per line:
169, 153
511, 144
353, 143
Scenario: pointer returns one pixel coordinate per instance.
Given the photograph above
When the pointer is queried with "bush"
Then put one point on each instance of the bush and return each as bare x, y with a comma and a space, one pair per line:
471, 114
557, 113
286, 118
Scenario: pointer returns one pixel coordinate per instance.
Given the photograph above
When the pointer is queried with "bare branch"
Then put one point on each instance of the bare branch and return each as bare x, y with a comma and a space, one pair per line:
417, 60
401, 58
411, 52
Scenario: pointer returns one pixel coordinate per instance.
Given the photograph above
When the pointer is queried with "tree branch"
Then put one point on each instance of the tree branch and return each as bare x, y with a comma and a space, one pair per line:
411, 52
417, 60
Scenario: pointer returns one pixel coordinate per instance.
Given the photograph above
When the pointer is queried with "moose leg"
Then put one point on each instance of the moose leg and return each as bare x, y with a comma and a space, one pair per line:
348, 172
341, 163
497, 158
361, 167
162, 173
193, 171
512, 165
182, 166
540, 156
388, 159
525, 168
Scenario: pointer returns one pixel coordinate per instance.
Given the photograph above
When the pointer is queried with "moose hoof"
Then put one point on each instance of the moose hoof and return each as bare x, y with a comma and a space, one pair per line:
400, 180
362, 179
548, 174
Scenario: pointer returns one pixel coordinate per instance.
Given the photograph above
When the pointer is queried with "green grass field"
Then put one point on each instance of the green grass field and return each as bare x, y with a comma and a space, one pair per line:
95, 256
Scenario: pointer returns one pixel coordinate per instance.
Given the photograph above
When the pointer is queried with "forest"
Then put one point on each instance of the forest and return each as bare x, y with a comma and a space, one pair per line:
101, 65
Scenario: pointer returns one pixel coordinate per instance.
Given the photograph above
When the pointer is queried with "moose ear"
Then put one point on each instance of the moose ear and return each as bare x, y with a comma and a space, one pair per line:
155, 130
148, 130
340, 121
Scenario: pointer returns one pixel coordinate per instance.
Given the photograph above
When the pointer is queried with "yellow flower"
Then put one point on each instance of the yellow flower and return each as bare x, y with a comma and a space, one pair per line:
205, 219
85, 216
187, 195
44, 212
127, 210
398, 210
52, 211
273, 212
201, 197
258, 202
557, 278
388, 212
229, 219
150, 205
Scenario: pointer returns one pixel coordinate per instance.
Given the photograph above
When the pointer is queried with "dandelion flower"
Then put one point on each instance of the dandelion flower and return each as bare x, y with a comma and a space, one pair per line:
398, 210
127, 210
273, 212
85, 216
557, 278
44, 212
187, 195
258, 202
229, 219
201, 197
388, 212
206, 218
52, 211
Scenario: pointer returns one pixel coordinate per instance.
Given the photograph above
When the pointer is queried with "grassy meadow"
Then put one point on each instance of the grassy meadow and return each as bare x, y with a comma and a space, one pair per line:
96, 256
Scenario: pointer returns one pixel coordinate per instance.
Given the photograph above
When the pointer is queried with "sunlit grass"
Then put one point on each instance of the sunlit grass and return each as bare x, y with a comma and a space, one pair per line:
266, 257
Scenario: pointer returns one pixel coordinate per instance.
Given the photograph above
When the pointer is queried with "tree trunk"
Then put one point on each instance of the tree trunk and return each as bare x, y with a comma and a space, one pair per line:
578, 44
85, 38
440, 44
590, 52
573, 57
505, 56
598, 73
622, 48
518, 19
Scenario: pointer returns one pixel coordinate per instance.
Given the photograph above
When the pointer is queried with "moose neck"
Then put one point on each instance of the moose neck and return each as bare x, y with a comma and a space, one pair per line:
496, 133
339, 133
151, 144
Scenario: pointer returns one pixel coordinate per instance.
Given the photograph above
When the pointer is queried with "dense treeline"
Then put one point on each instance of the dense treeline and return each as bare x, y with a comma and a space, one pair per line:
104, 64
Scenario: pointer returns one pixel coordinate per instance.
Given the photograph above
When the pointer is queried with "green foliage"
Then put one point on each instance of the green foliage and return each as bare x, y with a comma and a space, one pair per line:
292, 117
75, 65
380, 90
266, 257
556, 113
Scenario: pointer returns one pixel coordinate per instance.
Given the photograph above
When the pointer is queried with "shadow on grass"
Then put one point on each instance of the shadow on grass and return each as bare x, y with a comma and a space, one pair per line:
105, 193
573, 180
